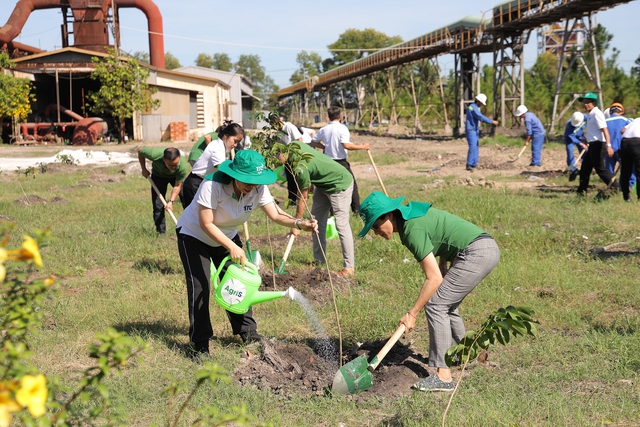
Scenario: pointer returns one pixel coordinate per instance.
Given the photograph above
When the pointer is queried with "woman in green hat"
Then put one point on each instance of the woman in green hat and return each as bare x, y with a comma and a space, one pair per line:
208, 232
429, 233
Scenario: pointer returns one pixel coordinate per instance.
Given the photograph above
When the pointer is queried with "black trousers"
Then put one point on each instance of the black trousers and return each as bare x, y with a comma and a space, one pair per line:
594, 159
158, 207
355, 197
292, 188
196, 259
190, 188
629, 158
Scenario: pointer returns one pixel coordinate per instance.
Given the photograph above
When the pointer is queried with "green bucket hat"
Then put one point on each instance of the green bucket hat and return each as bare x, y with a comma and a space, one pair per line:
377, 204
248, 167
589, 96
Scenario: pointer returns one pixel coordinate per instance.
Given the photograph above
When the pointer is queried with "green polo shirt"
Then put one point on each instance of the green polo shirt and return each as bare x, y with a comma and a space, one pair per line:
199, 146
158, 168
440, 232
323, 172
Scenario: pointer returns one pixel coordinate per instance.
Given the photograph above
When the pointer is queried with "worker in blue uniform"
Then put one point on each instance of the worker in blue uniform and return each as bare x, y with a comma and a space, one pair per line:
535, 133
615, 123
472, 129
573, 134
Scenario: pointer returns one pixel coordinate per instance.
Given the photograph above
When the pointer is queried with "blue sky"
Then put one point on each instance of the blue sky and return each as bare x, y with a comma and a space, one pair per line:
281, 30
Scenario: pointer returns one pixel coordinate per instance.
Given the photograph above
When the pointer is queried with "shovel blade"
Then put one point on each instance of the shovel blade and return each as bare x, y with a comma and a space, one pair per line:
353, 377
253, 256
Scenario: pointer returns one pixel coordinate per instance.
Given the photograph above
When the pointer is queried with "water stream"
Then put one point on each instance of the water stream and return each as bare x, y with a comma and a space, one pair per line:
323, 345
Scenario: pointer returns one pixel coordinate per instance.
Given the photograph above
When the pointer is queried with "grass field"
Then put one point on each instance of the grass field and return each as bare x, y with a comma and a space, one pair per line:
582, 369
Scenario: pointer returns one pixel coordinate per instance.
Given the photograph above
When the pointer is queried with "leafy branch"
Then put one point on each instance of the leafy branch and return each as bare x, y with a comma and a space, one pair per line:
500, 326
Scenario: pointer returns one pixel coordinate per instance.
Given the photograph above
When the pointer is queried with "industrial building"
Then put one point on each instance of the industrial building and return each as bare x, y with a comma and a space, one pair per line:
195, 103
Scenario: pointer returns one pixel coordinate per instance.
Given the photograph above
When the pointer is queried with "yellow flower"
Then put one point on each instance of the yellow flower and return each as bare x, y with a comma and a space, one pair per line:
3, 255
33, 394
30, 246
3, 273
7, 406
49, 280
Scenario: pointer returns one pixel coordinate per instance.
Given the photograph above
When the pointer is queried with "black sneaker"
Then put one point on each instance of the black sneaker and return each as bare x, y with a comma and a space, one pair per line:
250, 336
470, 168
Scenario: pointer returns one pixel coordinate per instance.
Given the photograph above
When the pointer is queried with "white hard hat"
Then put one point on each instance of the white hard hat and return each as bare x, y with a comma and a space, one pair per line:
482, 98
607, 113
576, 119
521, 110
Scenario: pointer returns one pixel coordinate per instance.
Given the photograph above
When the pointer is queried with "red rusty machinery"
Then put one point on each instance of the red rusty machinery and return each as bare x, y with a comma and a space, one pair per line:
90, 23
86, 130
90, 19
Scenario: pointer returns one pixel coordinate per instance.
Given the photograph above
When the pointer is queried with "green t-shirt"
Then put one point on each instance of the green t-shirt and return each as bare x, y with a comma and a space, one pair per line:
199, 146
158, 168
440, 232
322, 171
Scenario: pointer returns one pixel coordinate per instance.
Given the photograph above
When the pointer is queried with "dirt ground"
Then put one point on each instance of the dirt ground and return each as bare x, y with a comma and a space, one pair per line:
286, 368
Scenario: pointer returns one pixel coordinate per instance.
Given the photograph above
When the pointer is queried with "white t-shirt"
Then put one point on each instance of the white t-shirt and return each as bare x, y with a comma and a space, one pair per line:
230, 212
211, 157
291, 133
334, 135
632, 130
595, 124
306, 135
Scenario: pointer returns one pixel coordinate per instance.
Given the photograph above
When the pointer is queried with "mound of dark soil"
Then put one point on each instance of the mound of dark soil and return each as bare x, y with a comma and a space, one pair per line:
313, 283
289, 369
30, 200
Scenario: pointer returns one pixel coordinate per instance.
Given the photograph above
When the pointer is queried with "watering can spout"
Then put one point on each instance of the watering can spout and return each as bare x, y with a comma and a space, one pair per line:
262, 296
290, 293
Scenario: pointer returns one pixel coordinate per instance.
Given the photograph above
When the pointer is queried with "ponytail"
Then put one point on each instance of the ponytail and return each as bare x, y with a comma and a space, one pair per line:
230, 128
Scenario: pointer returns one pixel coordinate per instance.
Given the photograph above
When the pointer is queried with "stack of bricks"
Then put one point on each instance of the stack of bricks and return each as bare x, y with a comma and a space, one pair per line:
178, 131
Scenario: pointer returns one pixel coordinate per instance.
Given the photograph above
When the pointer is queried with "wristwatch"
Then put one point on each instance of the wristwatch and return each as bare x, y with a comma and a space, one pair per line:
608, 145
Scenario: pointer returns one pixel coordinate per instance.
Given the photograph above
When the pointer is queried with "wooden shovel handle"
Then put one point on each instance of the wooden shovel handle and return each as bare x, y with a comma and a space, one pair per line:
164, 202
246, 232
289, 245
520, 153
377, 174
383, 352
576, 160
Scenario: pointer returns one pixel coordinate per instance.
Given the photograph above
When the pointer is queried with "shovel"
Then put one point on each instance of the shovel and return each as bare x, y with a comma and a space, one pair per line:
164, 202
519, 154
377, 174
281, 270
355, 376
253, 256
574, 172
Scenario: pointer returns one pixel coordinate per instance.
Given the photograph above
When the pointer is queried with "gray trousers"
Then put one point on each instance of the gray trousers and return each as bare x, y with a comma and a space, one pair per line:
340, 203
467, 270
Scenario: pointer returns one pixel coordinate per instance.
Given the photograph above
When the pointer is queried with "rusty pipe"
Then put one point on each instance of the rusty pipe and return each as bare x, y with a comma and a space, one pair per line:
35, 127
156, 32
21, 13
65, 110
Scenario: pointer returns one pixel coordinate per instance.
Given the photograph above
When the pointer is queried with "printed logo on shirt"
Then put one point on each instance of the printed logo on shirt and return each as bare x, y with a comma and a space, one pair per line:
248, 208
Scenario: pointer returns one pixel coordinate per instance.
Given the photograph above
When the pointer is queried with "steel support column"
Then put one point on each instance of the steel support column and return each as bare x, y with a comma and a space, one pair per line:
467, 85
508, 76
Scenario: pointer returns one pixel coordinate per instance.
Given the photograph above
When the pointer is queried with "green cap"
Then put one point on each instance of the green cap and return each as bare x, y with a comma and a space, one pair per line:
378, 204
590, 96
248, 167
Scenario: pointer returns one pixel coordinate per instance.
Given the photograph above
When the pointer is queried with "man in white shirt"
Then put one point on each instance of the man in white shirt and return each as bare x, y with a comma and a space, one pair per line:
336, 139
596, 139
290, 134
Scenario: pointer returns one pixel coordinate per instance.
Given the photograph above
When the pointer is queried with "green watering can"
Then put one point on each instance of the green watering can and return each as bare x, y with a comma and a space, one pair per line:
238, 289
